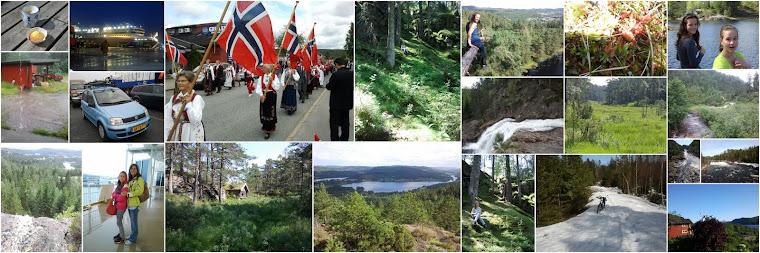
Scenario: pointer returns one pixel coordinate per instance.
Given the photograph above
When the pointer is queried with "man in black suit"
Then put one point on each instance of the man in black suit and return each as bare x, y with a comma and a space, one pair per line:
341, 88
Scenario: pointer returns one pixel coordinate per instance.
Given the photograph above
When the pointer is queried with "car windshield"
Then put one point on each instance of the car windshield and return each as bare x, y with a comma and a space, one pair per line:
111, 97
77, 86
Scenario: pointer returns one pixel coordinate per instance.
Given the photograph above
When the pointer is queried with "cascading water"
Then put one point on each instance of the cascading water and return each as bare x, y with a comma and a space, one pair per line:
508, 127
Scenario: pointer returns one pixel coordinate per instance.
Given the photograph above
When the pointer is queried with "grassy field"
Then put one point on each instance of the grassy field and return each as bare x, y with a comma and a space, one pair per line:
623, 131
256, 223
416, 100
9, 89
735, 121
509, 228
63, 133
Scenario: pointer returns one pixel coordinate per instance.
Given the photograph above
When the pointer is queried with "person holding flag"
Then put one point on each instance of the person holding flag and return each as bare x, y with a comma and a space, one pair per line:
289, 99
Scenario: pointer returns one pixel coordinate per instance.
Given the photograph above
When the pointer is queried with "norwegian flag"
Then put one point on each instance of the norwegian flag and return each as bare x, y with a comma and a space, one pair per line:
305, 59
311, 48
173, 52
294, 57
290, 40
248, 36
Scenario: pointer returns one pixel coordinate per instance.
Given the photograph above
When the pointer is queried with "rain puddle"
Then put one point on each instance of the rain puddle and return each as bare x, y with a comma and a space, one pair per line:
28, 110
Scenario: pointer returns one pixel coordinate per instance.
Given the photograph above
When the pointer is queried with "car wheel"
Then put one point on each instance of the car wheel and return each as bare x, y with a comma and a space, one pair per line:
102, 132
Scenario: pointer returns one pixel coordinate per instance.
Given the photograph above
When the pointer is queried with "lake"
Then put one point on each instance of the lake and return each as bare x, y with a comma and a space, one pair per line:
753, 226
329, 179
709, 32
377, 186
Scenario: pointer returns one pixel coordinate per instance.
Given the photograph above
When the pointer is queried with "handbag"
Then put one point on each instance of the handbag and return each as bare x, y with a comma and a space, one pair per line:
111, 209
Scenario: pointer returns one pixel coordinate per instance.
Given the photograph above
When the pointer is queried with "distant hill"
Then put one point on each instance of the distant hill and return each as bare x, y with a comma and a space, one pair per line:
394, 173
46, 151
746, 221
520, 13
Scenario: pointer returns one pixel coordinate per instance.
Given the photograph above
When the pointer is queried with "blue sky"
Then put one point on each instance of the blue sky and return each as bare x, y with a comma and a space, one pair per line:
605, 159
714, 147
333, 18
431, 154
723, 201
264, 150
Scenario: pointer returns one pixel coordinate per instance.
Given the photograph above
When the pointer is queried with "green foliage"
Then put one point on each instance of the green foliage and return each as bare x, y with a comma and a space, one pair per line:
375, 222
494, 98
517, 39
75, 229
597, 45
9, 89
53, 87
741, 238
256, 223
736, 9
675, 150
349, 47
193, 59
734, 121
40, 188
561, 188
416, 99
748, 155
615, 129
678, 104
63, 133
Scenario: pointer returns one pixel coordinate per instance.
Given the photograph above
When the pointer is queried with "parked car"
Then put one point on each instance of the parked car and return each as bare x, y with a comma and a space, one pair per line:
149, 95
114, 113
199, 81
75, 91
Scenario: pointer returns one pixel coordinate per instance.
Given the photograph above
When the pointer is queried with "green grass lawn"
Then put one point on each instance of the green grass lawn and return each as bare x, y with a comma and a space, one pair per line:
256, 223
509, 228
54, 86
418, 99
9, 89
63, 133
623, 131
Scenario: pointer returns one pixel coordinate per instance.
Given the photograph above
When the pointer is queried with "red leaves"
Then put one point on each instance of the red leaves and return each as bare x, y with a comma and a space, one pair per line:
628, 35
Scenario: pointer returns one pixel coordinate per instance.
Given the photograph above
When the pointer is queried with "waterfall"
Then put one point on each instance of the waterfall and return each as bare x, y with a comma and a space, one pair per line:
508, 127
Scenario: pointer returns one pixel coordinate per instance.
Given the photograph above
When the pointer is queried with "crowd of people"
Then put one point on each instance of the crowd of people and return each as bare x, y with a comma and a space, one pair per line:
292, 78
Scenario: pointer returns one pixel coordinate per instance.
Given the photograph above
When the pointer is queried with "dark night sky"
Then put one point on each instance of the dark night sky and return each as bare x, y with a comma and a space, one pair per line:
149, 15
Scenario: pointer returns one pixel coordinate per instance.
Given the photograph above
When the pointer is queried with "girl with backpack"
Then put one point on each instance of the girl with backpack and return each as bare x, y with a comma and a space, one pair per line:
136, 188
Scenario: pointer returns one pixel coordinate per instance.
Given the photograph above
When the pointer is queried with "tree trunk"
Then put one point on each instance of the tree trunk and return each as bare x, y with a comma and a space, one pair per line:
474, 179
419, 23
197, 172
221, 173
172, 155
429, 17
398, 22
493, 174
508, 183
519, 182
391, 51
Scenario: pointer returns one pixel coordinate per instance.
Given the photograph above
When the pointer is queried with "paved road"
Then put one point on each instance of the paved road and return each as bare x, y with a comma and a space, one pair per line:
82, 130
233, 116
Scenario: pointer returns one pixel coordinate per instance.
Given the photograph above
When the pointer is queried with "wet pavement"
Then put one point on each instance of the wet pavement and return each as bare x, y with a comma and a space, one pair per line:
118, 59
82, 130
28, 110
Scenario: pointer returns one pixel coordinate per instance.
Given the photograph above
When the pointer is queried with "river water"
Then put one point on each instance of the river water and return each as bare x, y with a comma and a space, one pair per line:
508, 127
709, 32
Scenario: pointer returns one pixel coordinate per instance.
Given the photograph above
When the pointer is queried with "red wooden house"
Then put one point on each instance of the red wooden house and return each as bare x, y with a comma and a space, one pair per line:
678, 227
25, 72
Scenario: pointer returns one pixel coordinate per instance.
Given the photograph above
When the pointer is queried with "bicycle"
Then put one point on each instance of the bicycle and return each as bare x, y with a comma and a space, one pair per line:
601, 205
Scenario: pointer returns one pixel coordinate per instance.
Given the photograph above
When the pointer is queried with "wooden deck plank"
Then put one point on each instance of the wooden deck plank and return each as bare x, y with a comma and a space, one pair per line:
58, 32
12, 17
51, 18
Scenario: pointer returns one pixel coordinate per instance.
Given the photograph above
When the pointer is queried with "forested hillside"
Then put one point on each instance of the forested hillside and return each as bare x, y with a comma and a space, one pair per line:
205, 213
724, 103
517, 40
409, 95
425, 219
734, 9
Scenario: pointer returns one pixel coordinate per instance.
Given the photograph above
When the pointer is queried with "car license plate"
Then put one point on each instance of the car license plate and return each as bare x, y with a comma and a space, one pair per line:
138, 128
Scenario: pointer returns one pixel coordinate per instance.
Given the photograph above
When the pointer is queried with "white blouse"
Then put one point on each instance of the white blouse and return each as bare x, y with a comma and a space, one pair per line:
192, 131
276, 85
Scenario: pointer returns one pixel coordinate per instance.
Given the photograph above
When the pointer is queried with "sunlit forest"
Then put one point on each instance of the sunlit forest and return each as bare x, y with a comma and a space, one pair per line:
410, 95
217, 201
517, 40
504, 185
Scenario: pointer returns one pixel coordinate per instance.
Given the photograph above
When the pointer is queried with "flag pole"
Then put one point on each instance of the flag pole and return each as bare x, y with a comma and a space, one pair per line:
287, 28
312, 30
205, 55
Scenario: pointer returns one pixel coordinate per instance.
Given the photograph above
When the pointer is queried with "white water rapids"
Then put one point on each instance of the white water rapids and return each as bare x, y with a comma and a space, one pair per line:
508, 127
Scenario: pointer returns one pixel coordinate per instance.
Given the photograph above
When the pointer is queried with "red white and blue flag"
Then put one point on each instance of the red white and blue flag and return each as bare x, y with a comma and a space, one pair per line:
290, 40
172, 52
248, 36
311, 48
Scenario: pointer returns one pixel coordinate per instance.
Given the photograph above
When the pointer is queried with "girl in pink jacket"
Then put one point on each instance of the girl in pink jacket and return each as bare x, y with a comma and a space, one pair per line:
121, 205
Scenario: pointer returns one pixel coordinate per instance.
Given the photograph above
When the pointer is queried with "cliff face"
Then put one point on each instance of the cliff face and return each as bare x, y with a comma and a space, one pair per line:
29, 234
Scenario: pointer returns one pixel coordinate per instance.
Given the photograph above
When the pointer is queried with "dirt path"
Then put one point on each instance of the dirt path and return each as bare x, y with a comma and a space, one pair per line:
693, 127
688, 172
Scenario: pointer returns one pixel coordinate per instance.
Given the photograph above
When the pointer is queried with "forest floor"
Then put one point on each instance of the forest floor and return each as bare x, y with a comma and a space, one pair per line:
685, 170
509, 228
623, 131
693, 127
627, 223
415, 100
729, 172
255, 223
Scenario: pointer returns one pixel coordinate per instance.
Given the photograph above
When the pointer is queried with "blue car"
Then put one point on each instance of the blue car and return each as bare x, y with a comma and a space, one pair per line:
114, 113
